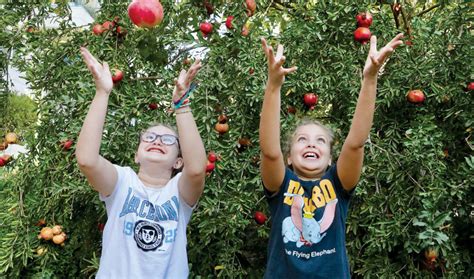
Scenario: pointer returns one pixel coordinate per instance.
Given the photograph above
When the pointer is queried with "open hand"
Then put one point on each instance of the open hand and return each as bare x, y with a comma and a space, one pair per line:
276, 72
184, 80
376, 58
100, 72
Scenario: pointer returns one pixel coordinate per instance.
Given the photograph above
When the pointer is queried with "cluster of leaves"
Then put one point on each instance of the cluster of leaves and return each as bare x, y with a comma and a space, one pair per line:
411, 196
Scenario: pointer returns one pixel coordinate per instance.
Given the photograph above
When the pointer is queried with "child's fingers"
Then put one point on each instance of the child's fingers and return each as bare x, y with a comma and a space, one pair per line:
106, 67
89, 56
396, 44
398, 37
374, 60
290, 70
384, 53
281, 61
373, 44
271, 57
279, 52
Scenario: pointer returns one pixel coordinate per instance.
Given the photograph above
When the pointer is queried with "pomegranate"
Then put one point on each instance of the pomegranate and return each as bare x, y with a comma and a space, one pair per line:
470, 86
431, 255
364, 19
206, 28
40, 251
212, 157
251, 7
57, 229
209, 7
59, 239
222, 128
2, 162
228, 22
97, 29
310, 100
260, 217
362, 35
46, 233
117, 76
145, 13
416, 96
108, 25
222, 118
153, 106
210, 167
67, 144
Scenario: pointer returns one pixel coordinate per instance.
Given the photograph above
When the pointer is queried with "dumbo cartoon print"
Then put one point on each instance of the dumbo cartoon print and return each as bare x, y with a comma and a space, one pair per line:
301, 227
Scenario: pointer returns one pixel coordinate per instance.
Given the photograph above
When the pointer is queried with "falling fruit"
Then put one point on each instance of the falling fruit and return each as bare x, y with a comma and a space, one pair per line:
145, 13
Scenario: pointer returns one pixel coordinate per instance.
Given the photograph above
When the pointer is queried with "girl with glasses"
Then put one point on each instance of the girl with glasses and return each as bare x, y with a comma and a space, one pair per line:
148, 211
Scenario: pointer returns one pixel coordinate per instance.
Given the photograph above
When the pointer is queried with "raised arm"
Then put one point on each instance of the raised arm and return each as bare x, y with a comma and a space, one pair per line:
350, 160
100, 173
272, 164
191, 183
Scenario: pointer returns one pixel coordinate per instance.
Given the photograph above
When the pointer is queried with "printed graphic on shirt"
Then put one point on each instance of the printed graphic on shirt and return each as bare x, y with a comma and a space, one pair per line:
301, 227
148, 235
145, 209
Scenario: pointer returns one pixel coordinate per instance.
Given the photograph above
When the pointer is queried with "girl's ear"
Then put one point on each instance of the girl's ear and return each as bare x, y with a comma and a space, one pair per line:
136, 159
178, 164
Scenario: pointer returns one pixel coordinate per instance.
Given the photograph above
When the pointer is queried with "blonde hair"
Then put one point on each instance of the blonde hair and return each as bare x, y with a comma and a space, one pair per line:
288, 139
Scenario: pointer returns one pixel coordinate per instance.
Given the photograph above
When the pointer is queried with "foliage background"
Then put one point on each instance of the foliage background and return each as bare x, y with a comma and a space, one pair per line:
416, 188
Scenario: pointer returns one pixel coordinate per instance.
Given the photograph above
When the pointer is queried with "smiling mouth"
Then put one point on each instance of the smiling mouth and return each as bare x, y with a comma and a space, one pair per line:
156, 150
311, 155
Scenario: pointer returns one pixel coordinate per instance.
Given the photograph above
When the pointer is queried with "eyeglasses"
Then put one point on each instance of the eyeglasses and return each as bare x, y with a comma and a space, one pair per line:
166, 139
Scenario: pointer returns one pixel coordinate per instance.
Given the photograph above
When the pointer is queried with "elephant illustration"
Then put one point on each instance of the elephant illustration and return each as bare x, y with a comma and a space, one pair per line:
301, 227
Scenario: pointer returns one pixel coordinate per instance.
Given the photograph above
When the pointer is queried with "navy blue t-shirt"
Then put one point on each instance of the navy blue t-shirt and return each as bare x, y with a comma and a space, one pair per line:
307, 238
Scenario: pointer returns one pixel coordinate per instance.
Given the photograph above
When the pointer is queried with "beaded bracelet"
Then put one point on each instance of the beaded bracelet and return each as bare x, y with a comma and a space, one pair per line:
183, 111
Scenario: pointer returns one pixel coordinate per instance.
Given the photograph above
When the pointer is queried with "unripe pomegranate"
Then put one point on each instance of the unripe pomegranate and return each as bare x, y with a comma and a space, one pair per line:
57, 229
222, 128
59, 239
145, 13
46, 233
362, 35
431, 255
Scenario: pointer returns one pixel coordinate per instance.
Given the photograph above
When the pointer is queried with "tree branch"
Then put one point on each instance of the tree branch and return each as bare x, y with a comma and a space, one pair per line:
428, 10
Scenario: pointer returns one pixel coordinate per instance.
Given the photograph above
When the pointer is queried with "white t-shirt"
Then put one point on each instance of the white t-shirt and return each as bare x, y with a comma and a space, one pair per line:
145, 233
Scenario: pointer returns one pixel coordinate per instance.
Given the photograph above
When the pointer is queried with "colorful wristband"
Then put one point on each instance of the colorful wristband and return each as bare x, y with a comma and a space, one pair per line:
184, 101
